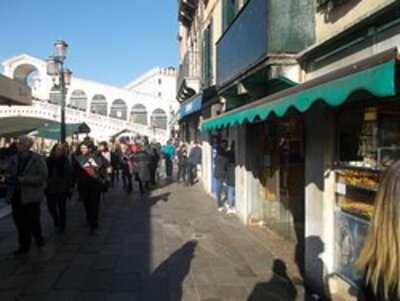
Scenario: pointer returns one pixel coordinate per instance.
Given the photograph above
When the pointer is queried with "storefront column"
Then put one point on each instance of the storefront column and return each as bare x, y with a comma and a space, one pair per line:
206, 162
241, 174
319, 204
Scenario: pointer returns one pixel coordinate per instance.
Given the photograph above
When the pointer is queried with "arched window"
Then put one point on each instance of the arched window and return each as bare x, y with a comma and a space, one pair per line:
119, 109
159, 119
139, 114
78, 100
55, 96
99, 105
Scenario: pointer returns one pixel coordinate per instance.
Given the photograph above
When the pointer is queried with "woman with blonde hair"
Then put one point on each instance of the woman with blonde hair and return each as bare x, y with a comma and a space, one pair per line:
380, 256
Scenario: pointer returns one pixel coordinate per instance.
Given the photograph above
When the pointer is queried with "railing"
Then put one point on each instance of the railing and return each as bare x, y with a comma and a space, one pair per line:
43, 110
244, 42
190, 68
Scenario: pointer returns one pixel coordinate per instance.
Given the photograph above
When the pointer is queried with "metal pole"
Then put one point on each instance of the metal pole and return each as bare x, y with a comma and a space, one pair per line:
62, 90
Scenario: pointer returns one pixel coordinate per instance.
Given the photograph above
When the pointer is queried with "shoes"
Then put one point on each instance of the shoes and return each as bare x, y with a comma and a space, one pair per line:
21, 251
220, 209
231, 211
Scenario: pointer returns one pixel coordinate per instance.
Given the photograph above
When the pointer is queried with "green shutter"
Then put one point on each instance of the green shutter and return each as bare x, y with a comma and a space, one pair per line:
207, 55
228, 12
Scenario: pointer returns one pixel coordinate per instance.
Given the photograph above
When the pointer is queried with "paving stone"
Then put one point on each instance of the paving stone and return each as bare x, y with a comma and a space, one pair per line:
73, 278
127, 282
54, 295
97, 281
178, 250
122, 297
41, 284
10, 295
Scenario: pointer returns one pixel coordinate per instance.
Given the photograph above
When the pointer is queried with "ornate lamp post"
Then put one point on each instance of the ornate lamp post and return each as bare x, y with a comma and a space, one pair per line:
55, 68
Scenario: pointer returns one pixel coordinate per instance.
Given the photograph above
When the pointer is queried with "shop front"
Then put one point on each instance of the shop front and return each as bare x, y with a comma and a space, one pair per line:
316, 153
368, 141
189, 116
279, 153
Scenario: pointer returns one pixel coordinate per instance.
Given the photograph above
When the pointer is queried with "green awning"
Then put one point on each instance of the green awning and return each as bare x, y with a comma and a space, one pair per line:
333, 89
51, 130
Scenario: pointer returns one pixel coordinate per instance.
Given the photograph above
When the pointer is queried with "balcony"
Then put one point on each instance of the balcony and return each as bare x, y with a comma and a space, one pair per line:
189, 75
262, 28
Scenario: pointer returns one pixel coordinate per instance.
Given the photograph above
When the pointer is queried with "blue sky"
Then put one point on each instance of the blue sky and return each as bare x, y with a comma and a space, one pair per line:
111, 41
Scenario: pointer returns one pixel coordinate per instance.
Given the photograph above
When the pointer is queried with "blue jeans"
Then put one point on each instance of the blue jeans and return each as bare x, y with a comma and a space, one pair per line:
168, 167
231, 196
219, 183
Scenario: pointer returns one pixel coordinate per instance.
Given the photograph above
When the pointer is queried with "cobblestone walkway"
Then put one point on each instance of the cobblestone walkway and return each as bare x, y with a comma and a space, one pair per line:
173, 245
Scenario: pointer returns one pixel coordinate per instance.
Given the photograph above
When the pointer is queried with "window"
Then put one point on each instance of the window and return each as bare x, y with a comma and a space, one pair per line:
139, 114
99, 105
207, 56
55, 96
229, 10
159, 94
159, 81
78, 100
119, 109
159, 119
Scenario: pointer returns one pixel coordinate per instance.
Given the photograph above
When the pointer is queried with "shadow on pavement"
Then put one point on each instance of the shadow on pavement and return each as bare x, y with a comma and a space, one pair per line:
279, 288
167, 280
153, 200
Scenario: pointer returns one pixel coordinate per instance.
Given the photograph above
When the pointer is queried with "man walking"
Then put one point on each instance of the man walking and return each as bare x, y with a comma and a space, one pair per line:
26, 184
193, 161
169, 153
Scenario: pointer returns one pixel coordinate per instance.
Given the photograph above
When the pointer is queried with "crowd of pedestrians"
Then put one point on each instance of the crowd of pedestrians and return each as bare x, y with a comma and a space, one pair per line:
88, 171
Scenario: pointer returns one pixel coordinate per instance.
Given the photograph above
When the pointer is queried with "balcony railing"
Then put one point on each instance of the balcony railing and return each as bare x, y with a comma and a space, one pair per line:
244, 42
190, 68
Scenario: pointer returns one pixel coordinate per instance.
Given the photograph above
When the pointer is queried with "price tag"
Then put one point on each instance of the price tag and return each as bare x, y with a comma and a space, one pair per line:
341, 188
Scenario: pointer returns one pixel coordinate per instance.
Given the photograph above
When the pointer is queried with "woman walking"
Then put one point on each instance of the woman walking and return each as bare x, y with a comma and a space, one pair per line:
59, 184
380, 256
182, 163
91, 173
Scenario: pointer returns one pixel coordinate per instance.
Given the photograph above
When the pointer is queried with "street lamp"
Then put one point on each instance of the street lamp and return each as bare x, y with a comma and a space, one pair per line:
55, 69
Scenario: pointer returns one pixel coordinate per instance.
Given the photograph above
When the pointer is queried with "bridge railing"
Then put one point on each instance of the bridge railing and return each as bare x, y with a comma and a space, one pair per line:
45, 110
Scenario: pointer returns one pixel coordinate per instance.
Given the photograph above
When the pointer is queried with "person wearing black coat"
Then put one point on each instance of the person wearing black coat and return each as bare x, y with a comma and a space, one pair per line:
59, 184
90, 170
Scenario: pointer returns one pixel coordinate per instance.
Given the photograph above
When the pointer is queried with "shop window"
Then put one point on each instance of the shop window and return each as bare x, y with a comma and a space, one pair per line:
368, 141
369, 137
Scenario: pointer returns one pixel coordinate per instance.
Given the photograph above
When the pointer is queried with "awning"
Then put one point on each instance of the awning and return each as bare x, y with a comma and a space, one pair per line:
191, 106
51, 130
375, 75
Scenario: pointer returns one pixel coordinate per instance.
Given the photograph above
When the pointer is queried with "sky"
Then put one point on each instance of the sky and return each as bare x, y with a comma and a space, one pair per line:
110, 41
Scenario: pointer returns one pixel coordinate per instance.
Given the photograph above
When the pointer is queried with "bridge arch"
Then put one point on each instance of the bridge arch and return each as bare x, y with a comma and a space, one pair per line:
159, 119
28, 74
78, 100
99, 105
119, 109
139, 114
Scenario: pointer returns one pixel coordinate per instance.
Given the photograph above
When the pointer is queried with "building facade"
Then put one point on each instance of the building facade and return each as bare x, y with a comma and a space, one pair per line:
304, 88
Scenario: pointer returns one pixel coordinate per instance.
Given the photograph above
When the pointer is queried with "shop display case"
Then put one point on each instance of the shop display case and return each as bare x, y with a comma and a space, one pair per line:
368, 142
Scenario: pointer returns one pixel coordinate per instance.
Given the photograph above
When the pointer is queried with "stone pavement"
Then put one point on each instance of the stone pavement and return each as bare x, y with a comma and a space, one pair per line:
171, 246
